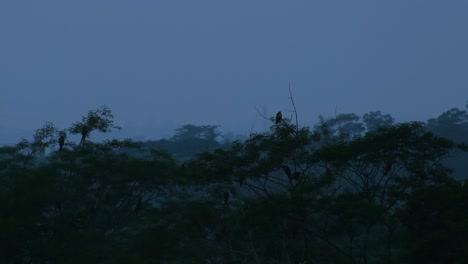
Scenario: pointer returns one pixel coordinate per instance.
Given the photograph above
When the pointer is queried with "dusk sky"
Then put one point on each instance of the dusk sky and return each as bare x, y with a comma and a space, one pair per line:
162, 64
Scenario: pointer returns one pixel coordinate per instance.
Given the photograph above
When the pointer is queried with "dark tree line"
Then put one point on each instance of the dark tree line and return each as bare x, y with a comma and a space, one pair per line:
348, 190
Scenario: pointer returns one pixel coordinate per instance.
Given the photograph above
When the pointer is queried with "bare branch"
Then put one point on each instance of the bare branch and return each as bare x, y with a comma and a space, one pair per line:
294, 106
264, 117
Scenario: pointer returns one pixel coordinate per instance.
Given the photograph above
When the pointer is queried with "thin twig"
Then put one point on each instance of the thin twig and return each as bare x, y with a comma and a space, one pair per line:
256, 109
294, 105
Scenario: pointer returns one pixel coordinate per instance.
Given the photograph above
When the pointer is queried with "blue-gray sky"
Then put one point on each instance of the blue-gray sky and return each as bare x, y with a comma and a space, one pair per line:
160, 64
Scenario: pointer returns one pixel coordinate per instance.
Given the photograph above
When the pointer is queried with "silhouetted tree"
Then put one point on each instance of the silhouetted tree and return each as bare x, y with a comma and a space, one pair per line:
374, 120
100, 120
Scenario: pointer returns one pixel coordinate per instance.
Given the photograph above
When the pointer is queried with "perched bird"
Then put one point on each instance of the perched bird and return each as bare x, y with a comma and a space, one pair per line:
226, 197
84, 133
62, 137
279, 117
287, 170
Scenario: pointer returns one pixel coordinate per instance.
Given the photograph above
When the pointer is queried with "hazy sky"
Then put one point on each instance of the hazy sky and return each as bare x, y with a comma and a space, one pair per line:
160, 64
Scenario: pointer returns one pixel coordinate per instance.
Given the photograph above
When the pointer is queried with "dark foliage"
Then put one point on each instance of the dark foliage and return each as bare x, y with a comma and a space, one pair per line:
343, 192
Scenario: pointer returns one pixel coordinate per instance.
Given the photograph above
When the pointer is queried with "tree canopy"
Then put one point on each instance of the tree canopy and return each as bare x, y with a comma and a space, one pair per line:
350, 189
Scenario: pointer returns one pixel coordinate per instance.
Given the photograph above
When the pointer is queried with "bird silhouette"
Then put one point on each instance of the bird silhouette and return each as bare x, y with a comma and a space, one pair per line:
62, 140
84, 133
279, 117
287, 170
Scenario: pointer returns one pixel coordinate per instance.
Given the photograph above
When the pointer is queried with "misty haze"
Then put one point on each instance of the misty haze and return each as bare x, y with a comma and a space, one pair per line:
233, 132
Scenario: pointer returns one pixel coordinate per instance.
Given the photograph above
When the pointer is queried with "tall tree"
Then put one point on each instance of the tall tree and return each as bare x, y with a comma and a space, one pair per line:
374, 120
100, 120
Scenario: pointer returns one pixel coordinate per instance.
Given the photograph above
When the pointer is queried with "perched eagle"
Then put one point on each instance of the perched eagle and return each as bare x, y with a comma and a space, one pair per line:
279, 117
287, 170
62, 140
388, 168
84, 133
